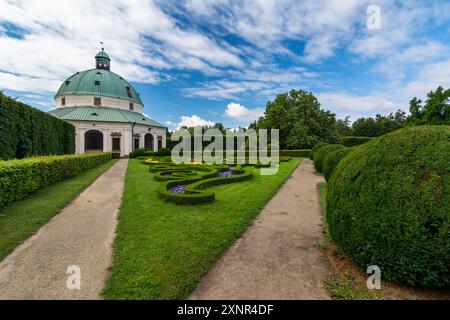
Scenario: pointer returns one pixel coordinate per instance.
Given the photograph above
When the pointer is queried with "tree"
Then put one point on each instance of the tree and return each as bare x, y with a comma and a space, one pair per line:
435, 111
343, 127
370, 127
301, 121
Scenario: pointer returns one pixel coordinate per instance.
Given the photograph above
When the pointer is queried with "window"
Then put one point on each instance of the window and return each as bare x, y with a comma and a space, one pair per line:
97, 102
116, 144
97, 82
129, 92
63, 101
131, 106
67, 82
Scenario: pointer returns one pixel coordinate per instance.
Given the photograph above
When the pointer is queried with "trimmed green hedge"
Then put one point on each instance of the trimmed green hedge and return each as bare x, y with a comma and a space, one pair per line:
295, 153
315, 148
141, 153
26, 131
354, 141
321, 153
19, 178
331, 161
388, 204
194, 193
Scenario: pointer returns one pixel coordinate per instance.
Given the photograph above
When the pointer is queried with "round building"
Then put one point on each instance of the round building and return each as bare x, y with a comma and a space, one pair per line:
107, 112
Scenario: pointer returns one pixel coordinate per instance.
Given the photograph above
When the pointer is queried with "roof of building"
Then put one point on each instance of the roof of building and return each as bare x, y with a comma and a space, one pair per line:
99, 82
105, 114
103, 54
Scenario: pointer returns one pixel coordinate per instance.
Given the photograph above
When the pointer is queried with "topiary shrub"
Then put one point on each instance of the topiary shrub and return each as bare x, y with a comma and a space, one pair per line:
315, 148
20, 178
163, 152
141, 153
321, 153
331, 161
388, 204
354, 141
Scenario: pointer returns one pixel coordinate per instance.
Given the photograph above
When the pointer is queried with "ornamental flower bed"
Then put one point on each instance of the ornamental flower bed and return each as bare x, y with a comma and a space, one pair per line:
178, 189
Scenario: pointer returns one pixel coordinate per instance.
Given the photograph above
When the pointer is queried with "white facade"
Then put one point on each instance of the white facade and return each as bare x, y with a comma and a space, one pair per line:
76, 100
130, 137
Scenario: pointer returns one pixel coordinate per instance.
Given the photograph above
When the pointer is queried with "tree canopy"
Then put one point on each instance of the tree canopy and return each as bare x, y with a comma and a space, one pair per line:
436, 109
300, 119
374, 127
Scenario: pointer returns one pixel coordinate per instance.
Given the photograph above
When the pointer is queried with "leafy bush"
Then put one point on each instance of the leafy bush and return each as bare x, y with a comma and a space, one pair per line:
321, 153
26, 131
315, 148
163, 152
19, 178
388, 204
331, 161
354, 141
116, 155
141, 153
295, 153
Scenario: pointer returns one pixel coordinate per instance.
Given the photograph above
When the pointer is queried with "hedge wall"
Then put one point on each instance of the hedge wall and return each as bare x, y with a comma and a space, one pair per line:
388, 204
332, 160
26, 131
354, 141
321, 153
315, 148
295, 153
19, 178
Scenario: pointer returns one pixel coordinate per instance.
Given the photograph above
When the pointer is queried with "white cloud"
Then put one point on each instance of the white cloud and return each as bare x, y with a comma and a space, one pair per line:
238, 112
344, 104
194, 121
61, 37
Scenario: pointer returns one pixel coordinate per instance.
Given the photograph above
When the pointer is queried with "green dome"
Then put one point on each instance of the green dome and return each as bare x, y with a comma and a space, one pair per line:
102, 54
99, 82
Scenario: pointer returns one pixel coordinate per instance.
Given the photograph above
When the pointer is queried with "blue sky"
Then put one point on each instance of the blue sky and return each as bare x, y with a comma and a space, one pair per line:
205, 61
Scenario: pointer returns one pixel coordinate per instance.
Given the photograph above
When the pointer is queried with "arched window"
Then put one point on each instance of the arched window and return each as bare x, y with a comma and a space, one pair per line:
148, 141
93, 141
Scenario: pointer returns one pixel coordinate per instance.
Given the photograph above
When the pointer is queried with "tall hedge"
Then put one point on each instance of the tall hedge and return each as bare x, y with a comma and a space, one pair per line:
321, 153
25, 131
19, 178
332, 160
354, 141
388, 204
315, 148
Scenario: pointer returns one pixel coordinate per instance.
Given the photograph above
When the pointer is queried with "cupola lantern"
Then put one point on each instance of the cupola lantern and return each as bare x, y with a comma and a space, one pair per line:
102, 60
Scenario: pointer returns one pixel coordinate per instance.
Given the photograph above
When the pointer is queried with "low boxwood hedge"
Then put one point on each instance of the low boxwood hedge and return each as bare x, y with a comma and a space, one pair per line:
354, 141
315, 148
295, 153
331, 161
321, 153
142, 153
194, 193
19, 178
388, 204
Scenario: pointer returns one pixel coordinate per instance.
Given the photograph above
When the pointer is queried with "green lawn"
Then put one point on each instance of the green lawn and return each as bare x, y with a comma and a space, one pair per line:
21, 219
162, 249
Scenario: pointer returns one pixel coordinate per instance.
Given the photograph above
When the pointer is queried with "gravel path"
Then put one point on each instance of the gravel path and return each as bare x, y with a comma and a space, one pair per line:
277, 257
80, 235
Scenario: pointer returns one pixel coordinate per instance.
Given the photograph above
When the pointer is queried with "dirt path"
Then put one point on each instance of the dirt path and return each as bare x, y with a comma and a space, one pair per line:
81, 235
277, 257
